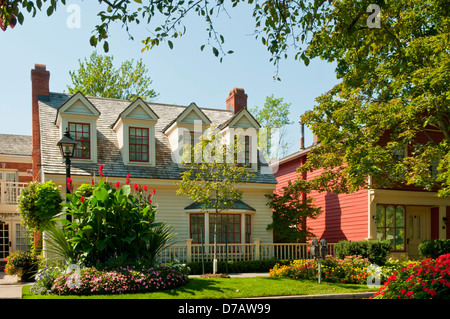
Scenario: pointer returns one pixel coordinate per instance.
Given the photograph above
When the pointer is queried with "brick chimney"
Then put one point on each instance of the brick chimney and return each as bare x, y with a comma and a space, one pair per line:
40, 78
237, 100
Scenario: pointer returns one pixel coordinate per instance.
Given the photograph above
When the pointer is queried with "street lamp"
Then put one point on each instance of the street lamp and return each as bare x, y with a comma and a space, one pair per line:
67, 147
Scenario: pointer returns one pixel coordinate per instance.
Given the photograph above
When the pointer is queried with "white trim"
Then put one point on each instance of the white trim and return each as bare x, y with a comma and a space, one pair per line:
244, 113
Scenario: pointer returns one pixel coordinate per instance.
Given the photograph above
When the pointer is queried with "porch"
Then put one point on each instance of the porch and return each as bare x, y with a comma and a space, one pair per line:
9, 194
189, 252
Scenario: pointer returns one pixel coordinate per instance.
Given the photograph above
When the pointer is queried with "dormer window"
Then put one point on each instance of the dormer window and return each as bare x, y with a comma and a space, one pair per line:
139, 144
242, 128
81, 132
185, 130
135, 129
243, 154
79, 116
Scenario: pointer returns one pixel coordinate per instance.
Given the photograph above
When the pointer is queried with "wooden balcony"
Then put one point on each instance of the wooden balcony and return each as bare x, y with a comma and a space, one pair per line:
9, 193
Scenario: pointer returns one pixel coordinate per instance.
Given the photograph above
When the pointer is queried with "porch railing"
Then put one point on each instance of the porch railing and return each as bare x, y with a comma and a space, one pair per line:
10, 191
254, 251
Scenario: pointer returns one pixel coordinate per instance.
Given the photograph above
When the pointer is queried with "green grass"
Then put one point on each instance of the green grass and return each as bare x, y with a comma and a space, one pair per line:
227, 288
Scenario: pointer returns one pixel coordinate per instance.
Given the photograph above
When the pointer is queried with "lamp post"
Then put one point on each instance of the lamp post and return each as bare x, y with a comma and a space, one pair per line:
67, 147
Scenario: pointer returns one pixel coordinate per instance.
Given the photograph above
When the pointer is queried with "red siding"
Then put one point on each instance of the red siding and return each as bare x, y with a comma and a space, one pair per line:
344, 216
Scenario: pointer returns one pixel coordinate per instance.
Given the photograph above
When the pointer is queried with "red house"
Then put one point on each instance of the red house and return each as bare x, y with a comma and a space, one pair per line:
406, 215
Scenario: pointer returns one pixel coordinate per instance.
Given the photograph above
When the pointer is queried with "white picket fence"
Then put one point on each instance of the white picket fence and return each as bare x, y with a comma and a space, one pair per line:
254, 251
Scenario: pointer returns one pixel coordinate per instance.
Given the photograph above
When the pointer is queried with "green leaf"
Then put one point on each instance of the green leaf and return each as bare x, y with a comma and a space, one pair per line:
101, 194
106, 46
170, 44
215, 51
50, 11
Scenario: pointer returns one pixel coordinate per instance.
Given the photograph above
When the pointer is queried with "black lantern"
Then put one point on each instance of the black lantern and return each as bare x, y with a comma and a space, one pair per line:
67, 147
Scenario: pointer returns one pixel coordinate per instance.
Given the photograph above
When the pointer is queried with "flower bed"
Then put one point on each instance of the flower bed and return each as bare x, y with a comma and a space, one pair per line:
91, 281
351, 270
429, 279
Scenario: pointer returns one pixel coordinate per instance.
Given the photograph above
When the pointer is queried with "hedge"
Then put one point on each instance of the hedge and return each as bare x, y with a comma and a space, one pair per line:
433, 248
375, 251
242, 266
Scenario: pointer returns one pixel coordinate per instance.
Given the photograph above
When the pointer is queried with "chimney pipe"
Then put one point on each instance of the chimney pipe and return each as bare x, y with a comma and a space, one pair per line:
302, 135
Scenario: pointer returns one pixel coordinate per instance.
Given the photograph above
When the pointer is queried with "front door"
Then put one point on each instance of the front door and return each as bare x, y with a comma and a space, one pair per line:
418, 229
4, 240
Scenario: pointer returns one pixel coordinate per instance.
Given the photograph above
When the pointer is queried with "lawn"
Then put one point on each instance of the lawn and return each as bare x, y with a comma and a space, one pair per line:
228, 288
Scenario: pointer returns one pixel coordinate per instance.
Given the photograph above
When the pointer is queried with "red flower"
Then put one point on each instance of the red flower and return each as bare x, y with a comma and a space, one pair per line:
145, 188
154, 191
69, 183
82, 199
150, 200
117, 184
136, 187
101, 170
128, 179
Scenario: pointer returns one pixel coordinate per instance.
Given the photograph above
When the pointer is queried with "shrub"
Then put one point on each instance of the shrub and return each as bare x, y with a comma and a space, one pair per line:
38, 204
113, 223
22, 264
44, 279
375, 251
91, 281
429, 279
236, 266
433, 248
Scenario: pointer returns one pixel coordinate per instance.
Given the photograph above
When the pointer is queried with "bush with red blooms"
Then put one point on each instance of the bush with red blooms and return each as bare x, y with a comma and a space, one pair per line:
429, 279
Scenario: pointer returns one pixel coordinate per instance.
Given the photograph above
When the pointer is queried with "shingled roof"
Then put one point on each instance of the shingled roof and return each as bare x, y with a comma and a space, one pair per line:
15, 145
108, 145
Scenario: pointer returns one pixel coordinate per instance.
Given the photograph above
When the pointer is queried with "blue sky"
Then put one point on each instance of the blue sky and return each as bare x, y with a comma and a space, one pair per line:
180, 76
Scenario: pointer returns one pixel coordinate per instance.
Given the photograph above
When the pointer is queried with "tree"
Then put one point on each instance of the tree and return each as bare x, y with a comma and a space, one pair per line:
290, 208
392, 59
213, 181
98, 77
389, 117
273, 117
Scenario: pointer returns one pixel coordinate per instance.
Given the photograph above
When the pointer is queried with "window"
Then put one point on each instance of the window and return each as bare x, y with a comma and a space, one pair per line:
243, 153
138, 144
81, 133
391, 225
190, 139
248, 228
197, 224
228, 228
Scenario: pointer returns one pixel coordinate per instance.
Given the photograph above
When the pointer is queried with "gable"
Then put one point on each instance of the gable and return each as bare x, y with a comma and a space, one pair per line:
76, 106
243, 119
137, 110
191, 114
